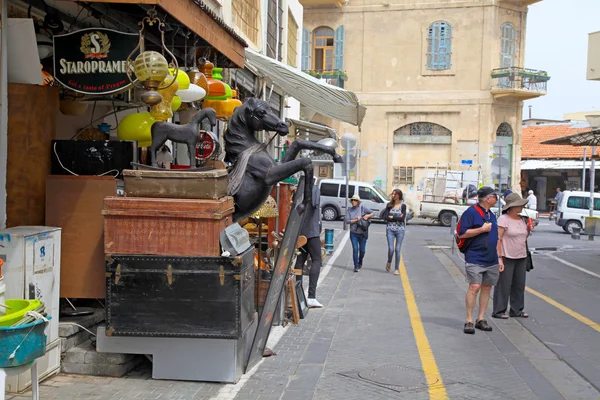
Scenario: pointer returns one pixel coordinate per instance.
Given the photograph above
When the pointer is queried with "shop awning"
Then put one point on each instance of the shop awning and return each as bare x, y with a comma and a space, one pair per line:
590, 138
311, 130
331, 101
528, 165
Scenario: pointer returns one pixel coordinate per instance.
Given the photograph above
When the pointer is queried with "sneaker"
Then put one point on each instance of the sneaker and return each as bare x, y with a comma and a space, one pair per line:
313, 303
469, 328
483, 325
396, 272
360, 266
356, 269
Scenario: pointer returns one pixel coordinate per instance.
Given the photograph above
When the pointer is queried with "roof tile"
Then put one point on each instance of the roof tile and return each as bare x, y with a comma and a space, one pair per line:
533, 135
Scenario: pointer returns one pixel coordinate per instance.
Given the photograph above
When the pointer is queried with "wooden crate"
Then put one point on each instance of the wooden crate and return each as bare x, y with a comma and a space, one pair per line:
167, 227
178, 185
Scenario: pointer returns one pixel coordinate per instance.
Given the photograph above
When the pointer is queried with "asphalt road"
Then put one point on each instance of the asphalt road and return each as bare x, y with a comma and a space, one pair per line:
563, 295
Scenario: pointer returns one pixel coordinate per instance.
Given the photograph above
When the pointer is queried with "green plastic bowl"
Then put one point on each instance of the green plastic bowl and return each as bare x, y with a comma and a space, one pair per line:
18, 308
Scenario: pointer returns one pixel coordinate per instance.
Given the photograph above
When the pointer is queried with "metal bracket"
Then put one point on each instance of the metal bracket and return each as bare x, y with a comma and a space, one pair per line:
118, 274
170, 274
222, 275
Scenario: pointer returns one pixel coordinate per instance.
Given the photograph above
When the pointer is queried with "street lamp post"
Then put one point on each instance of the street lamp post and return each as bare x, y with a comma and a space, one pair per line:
348, 144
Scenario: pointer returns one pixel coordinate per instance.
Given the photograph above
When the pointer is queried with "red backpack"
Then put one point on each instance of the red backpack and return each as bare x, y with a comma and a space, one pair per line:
463, 244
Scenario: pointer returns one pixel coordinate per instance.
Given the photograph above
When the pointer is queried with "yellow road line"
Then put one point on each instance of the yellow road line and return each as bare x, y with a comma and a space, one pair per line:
565, 309
437, 390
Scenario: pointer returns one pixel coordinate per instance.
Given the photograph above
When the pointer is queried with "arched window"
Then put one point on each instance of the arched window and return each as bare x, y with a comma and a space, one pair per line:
422, 129
508, 46
504, 130
323, 48
439, 46
422, 133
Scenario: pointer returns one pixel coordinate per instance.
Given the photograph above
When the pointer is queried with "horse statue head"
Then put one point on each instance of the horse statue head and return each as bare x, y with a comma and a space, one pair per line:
252, 116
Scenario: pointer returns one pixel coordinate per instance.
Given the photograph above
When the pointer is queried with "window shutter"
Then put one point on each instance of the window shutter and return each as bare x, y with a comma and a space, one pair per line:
339, 49
305, 50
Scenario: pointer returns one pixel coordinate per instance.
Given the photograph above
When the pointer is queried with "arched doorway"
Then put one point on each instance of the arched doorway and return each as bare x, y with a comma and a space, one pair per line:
502, 162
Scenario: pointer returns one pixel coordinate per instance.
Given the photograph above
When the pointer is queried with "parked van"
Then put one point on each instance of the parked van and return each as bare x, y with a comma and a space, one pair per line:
573, 209
333, 197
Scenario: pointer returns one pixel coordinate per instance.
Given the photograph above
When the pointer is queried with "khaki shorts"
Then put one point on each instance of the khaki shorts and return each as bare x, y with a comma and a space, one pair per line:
481, 275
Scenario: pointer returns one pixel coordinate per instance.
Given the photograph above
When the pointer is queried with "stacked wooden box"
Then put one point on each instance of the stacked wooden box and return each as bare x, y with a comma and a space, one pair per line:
164, 274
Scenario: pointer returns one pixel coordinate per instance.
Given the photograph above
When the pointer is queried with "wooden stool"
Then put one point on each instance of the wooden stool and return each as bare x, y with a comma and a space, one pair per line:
4, 372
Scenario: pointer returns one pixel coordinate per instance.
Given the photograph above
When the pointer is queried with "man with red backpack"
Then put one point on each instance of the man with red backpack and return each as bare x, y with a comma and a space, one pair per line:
477, 236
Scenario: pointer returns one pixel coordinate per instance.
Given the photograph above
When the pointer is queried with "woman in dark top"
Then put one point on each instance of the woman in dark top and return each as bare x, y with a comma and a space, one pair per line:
394, 216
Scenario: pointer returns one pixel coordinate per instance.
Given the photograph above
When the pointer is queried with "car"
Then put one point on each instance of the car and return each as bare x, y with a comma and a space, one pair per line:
574, 207
333, 198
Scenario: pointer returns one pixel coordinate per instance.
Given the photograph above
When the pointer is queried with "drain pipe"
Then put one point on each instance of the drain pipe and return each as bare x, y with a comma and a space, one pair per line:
3, 112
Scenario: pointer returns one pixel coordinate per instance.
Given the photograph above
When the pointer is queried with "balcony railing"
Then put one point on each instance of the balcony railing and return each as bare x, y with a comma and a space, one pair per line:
519, 82
333, 77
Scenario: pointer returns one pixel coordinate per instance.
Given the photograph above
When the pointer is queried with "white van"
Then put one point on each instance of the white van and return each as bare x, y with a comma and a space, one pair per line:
333, 197
573, 209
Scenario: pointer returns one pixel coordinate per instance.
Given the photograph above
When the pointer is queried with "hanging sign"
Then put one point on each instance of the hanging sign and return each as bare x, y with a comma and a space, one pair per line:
94, 60
207, 146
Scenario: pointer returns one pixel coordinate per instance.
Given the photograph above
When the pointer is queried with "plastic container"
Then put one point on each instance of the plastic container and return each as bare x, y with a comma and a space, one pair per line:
28, 340
2, 289
329, 240
18, 308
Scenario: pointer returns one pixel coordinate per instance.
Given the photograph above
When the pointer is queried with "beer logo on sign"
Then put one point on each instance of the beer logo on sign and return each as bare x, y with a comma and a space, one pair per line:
95, 45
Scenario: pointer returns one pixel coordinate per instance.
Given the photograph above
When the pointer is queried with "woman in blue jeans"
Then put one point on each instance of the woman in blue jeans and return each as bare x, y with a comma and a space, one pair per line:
394, 216
358, 236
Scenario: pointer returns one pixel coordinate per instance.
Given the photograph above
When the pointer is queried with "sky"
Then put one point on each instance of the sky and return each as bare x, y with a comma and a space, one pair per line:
557, 42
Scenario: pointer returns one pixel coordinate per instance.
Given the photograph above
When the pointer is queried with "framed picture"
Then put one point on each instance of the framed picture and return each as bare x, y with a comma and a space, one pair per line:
302, 306
323, 171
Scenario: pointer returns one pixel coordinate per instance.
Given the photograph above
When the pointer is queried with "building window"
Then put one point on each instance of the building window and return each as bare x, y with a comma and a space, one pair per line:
275, 30
292, 44
246, 17
439, 46
508, 46
305, 50
504, 130
338, 62
422, 129
324, 47
403, 176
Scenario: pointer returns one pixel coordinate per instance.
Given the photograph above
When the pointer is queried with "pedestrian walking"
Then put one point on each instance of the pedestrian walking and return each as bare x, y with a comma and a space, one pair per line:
513, 232
312, 231
358, 217
531, 201
394, 215
479, 230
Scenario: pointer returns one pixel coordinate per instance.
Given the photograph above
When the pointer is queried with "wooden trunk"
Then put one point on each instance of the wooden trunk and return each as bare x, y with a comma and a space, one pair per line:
32, 112
200, 297
75, 203
177, 185
168, 227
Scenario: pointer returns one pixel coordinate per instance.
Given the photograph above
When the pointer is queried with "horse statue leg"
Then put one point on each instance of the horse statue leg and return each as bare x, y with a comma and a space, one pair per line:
279, 172
300, 144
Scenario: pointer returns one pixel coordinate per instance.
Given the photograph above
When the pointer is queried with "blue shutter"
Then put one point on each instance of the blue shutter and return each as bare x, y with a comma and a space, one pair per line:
339, 49
305, 50
439, 46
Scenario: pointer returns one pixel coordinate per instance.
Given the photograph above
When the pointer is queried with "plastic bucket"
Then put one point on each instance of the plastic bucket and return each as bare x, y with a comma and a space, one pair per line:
27, 342
18, 308
2, 290
329, 240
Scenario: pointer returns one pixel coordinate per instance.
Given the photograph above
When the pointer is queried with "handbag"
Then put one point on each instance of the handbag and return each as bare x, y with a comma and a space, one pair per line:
529, 262
363, 223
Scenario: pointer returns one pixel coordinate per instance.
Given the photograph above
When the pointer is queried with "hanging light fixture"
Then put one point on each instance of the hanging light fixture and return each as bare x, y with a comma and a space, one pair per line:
150, 67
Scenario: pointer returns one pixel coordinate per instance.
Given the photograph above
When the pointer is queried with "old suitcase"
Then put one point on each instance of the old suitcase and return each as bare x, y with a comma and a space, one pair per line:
170, 227
200, 297
178, 185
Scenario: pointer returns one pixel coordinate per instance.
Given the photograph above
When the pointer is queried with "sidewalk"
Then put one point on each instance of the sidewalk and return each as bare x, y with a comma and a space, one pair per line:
362, 344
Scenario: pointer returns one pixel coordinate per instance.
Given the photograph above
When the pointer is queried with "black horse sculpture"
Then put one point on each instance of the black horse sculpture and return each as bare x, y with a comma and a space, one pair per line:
254, 171
162, 131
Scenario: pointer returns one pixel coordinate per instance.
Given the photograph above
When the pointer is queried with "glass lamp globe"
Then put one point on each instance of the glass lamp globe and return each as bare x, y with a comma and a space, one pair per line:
151, 68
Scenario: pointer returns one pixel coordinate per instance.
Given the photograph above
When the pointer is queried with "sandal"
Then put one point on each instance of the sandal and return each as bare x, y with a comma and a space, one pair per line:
388, 266
521, 315
500, 316
483, 325
469, 328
